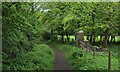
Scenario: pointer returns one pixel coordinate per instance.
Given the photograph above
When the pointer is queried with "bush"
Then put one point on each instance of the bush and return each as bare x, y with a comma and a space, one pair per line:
41, 58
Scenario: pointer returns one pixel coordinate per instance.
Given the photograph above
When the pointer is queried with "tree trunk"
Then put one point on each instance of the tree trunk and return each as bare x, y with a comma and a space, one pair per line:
87, 37
67, 36
62, 38
93, 15
94, 39
106, 38
91, 37
111, 39
101, 40
114, 39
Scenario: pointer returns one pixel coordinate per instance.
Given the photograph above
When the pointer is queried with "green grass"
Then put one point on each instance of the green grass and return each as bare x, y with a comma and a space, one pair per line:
86, 62
41, 58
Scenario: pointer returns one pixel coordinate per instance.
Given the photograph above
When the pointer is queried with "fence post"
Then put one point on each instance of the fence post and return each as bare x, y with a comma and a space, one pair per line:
94, 52
109, 61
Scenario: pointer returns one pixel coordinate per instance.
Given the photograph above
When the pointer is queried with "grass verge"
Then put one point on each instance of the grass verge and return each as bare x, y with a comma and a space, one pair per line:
40, 58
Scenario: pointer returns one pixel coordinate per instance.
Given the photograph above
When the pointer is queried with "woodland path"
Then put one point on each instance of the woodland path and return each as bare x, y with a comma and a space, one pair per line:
60, 62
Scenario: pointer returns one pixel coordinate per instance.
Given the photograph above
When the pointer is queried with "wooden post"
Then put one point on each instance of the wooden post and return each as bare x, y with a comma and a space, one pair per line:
94, 52
109, 61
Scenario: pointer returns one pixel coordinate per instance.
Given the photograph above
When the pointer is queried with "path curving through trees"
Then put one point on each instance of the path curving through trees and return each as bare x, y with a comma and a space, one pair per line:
60, 62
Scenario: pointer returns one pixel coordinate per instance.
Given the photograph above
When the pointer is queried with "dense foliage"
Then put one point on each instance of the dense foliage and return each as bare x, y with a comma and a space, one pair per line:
94, 18
21, 32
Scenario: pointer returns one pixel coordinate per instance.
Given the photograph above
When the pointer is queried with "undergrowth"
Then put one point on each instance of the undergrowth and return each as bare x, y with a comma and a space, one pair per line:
40, 58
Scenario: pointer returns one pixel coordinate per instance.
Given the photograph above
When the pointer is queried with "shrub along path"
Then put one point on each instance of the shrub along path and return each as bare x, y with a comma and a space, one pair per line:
60, 62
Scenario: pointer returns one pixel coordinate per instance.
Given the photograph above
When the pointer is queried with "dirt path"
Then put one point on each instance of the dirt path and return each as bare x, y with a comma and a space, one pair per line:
60, 62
